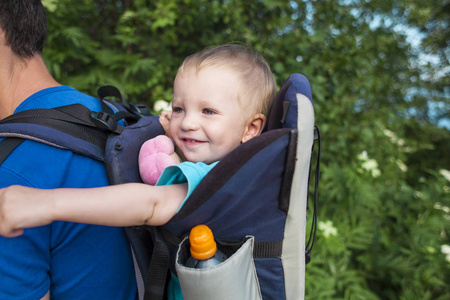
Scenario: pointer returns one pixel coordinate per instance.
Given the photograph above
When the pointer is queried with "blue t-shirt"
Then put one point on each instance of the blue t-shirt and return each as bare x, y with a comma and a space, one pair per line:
192, 173
73, 261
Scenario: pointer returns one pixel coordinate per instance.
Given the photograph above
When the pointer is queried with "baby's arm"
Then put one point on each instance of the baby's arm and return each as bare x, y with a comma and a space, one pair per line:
119, 205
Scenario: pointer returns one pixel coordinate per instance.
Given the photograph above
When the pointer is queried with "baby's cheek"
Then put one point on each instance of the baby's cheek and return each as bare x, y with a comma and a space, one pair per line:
171, 130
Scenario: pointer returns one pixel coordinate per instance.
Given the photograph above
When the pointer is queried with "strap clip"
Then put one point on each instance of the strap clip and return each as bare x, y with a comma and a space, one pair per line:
104, 120
140, 109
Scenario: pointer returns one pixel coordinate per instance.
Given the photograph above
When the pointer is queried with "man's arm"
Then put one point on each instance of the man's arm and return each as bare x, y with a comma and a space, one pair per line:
47, 296
119, 205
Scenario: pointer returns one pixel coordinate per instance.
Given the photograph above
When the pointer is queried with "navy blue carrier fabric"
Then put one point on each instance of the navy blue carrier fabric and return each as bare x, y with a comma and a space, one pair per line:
296, 83
247, 193
56, 137
122, 165
240, 197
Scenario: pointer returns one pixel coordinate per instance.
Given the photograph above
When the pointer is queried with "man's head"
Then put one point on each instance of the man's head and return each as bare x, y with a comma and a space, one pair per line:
257, 86
24, 25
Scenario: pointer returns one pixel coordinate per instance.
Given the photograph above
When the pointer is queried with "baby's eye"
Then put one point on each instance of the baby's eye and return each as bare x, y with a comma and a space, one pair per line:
208, 111
177, 110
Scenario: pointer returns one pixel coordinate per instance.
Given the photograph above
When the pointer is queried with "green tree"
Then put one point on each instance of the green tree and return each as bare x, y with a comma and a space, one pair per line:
379, 91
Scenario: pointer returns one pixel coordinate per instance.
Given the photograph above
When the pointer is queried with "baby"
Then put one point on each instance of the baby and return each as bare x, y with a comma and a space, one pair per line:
221, 98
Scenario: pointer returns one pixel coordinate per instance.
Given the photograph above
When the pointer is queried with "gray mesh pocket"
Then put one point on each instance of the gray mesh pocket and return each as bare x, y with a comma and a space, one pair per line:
233, 279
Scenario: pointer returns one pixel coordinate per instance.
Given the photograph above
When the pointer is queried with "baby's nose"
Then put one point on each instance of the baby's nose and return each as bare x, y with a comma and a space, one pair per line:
190, 122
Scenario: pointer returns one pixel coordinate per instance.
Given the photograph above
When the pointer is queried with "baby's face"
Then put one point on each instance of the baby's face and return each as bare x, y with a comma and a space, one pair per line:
207, 122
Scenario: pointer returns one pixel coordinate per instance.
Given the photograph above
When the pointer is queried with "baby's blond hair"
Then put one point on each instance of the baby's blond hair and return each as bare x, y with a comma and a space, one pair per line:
257, 90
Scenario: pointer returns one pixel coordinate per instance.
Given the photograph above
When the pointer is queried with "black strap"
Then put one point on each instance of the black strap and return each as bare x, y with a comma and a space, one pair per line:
261, 249
312, 235
7, 146
134, 110
289, 166
269, 249
111, 91
75, 120
106, 108
155, 283
72, 114
129, 117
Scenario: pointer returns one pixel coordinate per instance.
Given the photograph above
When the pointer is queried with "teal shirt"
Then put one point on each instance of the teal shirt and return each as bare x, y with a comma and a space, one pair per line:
189, 172
192, 173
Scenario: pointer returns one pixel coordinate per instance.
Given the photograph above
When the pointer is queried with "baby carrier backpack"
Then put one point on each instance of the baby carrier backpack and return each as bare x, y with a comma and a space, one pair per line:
254, 200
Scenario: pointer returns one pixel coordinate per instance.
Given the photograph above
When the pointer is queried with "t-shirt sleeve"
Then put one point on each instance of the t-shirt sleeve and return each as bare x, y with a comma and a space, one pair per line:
189, 172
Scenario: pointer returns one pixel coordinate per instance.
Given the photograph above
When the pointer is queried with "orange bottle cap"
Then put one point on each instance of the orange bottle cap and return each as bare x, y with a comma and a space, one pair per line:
202, 242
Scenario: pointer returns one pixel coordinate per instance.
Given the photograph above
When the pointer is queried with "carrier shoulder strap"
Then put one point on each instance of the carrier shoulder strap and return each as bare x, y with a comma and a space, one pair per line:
7, 146
59, 127
73, 127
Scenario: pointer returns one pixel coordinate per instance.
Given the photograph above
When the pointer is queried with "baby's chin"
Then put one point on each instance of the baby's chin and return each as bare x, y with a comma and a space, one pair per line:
197, 160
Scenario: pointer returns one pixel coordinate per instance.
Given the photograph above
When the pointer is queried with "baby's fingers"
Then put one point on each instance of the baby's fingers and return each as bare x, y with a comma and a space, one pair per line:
18, 210
6, 226
166, 114
10, 233
164, 120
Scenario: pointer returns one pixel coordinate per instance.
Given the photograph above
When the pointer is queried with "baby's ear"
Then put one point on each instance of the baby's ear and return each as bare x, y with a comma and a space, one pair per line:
254, 127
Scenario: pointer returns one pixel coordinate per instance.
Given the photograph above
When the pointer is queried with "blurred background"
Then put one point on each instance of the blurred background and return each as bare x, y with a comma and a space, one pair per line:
379, 72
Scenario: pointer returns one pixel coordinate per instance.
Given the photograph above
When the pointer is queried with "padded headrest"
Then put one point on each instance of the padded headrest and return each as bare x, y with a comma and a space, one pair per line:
284, 113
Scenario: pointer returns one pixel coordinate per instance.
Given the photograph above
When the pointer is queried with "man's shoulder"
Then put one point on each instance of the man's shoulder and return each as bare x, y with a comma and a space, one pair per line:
58, 96
39, 165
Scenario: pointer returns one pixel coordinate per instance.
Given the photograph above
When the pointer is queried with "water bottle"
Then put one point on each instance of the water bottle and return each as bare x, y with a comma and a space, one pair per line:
204, 253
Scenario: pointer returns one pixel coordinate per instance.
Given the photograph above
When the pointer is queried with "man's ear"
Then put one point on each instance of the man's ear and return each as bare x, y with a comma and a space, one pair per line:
254, 127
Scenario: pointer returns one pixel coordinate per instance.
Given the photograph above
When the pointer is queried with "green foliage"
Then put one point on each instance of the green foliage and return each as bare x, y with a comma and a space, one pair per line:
138, 45
384, 192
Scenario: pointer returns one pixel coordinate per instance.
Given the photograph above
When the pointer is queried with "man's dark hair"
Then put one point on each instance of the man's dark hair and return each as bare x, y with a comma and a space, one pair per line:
24, 24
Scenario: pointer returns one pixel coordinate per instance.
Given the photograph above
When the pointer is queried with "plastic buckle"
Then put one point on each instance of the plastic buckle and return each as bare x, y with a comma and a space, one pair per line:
307, 257
316, 133
139, 108
104, 120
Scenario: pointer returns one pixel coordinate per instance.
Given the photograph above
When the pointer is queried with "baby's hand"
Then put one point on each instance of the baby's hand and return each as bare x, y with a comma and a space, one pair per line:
21, 207
164, 120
